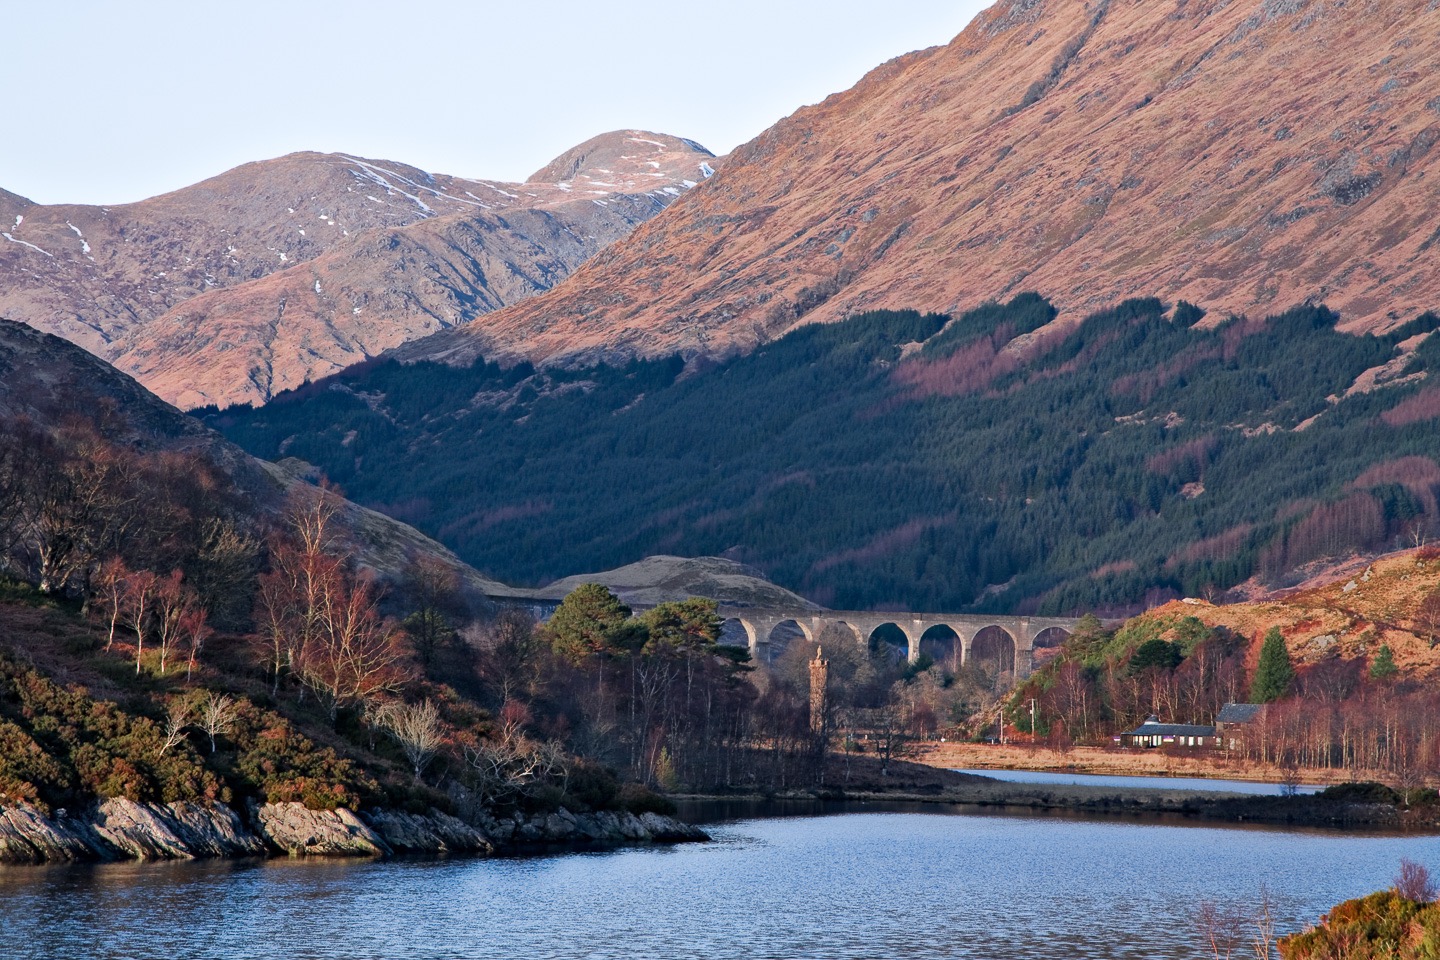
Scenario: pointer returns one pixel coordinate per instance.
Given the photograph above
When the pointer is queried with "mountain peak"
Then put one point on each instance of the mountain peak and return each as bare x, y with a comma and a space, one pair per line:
626, 154
288, 269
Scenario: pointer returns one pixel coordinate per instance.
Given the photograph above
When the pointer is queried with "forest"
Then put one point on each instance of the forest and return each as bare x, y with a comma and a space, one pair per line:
163, 638
166, 639
994, 461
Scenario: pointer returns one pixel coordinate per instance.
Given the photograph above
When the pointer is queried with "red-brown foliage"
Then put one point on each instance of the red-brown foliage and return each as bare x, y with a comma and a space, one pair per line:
976, 366
882, 545
969, 369
1146, 384
1195, 454
1331, 529
1423, 406
1112, 569
1419, 475
1218, 547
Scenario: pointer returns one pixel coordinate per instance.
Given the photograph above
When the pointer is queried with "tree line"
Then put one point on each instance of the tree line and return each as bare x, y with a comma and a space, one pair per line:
1360, 715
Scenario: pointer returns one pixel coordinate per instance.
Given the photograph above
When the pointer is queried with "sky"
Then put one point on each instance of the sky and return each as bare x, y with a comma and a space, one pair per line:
111, 102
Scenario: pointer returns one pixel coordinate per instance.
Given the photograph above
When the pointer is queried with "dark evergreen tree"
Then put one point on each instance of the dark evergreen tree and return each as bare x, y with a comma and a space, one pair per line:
589, 621
1155, 653
1383, 666
1275, 672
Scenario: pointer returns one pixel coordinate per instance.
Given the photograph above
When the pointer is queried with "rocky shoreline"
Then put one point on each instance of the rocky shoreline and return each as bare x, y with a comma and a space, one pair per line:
121, 829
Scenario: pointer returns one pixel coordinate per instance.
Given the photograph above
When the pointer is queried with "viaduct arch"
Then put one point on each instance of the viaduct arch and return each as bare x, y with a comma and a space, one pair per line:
760, 622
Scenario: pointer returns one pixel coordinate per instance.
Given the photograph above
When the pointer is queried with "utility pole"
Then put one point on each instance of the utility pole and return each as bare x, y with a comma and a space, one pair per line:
1000, 722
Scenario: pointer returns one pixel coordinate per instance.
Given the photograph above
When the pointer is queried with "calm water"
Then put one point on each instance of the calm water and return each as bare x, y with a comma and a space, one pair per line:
1163, 783
878, 885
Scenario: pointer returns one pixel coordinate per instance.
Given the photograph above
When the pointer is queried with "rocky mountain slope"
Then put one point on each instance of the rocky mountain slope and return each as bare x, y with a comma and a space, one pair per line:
288, 269
1244, 155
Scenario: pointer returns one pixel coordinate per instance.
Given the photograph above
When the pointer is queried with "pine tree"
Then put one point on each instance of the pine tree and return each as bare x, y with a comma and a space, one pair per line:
1275, 672
1383, 666
591, 620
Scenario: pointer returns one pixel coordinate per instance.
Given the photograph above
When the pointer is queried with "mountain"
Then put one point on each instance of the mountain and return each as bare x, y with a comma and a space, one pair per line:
1246, 155
288, 269
51, 383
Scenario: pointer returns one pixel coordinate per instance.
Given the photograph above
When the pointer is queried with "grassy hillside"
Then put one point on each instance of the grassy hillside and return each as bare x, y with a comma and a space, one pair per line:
991, 461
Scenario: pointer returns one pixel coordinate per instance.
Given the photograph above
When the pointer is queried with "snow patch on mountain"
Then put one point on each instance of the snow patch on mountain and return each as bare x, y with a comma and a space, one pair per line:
30, 245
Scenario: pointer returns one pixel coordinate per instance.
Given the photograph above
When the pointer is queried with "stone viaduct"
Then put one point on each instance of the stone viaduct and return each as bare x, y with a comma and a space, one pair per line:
760, 622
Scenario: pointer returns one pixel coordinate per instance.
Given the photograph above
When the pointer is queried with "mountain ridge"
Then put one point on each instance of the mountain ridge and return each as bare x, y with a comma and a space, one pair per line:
1247, 156
199, 292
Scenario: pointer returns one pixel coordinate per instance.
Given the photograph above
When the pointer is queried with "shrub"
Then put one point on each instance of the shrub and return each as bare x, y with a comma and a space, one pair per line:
1362, 792
277, 764
61, 746
591, 787
1384, 924
638, 798
1413, 882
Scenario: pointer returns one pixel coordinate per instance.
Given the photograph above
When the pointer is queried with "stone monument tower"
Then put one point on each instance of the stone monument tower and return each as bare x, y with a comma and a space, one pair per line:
819, 685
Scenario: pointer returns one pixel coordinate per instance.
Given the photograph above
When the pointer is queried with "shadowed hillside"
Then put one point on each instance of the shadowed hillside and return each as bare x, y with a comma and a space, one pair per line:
991, 461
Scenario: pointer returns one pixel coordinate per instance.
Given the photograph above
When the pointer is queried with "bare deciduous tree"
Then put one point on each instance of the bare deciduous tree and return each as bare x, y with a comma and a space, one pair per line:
140, 590
417, 728
109, 587
1427, 617
356, 655
176, 606
508, 764
508, 650
194, 631
177, 719
218, 712
318, 621
224, 569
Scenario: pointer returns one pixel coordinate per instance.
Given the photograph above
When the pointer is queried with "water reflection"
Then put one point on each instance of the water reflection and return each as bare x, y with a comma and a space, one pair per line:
847, 885
1159, 783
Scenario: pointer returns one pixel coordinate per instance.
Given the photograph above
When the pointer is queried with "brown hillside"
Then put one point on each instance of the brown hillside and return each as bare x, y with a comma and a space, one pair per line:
1345, 618
288, 269
1242, 155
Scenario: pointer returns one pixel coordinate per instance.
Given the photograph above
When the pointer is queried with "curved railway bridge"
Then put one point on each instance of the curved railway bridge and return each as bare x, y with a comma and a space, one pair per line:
760, 623
999, 634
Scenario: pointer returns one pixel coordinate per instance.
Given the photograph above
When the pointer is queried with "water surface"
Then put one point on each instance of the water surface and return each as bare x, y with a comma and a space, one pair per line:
867, 885
1160, 783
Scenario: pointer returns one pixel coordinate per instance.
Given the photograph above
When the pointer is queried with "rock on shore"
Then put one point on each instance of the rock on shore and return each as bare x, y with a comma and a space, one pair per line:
602, 829
121, 829
294, 829
124, 830
434, 832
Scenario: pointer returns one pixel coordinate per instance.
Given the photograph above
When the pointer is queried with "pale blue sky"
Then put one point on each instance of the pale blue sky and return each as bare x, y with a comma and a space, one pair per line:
107, 102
